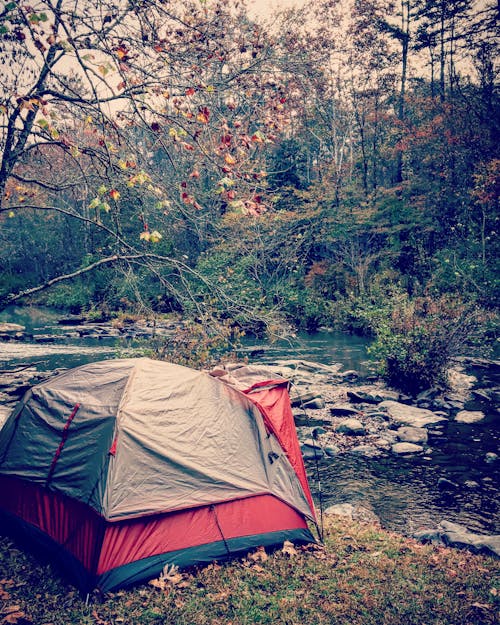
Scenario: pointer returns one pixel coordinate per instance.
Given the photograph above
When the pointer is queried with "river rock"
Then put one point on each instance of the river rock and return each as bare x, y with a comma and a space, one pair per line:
430, 393
310, 449
409, 434
317, 403
403, 449
71, 321
331, 450
390, 436
447, 485
368, 451
343, 410
350, 375
353, 512
455, 535
352, 427
388, 395
358, 397
11, 327
472, 484
416, 417
460, 382
301, 399
382, 444
469, 416
307, 366
482, 394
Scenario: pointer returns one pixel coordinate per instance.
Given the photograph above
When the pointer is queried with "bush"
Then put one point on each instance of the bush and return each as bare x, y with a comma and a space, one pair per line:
416, 344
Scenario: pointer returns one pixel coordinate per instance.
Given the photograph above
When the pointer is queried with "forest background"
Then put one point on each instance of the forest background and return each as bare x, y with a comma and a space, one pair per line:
331, 165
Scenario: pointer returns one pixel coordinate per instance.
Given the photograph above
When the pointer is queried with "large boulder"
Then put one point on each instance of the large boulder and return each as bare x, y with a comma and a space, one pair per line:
409, 415
455, 535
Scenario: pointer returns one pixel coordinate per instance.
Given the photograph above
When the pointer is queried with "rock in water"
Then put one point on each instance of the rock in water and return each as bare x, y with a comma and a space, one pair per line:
458, 536
11, 327
469, 416
417, 417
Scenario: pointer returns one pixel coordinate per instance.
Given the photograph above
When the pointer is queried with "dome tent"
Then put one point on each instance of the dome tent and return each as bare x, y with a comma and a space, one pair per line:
123, 466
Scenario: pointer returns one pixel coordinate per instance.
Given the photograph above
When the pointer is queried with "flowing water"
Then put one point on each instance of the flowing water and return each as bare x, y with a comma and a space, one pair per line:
403, 492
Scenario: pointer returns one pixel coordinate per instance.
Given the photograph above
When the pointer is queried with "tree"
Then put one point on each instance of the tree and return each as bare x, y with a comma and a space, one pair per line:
102, 99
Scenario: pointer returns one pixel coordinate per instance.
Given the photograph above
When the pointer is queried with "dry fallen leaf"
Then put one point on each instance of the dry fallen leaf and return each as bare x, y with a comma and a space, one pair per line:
259, 556
289, 548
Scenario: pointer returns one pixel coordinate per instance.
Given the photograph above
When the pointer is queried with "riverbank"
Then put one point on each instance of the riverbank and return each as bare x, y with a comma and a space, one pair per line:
372, 446
362, 576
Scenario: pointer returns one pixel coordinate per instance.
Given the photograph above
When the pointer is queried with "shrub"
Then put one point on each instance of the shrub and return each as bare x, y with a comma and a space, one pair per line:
416, 343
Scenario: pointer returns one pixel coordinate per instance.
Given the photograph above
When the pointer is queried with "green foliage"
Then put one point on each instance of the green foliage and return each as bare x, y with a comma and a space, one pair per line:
305, 309
74, 296
364, 314
416, 344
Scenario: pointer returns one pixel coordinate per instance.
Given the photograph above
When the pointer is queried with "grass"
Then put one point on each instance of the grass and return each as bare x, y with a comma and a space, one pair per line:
362, 576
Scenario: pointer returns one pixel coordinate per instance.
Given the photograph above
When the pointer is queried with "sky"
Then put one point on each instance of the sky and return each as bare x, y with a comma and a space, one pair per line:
266, 7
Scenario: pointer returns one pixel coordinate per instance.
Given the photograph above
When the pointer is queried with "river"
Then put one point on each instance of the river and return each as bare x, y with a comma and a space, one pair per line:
403, 492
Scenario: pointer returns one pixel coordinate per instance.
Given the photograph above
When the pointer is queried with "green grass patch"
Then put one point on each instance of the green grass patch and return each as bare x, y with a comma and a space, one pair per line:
362, 576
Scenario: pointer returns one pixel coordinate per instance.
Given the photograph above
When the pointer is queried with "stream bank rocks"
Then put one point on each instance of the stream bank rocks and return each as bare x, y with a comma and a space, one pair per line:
336, 417
455, 535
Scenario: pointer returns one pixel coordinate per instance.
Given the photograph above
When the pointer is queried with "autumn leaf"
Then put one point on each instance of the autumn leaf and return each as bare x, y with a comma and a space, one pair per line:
230, 160
114, 194
155, 236
122, 52
259, 556
190, 91
203, 115
12, 614
289, 549
258, 137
